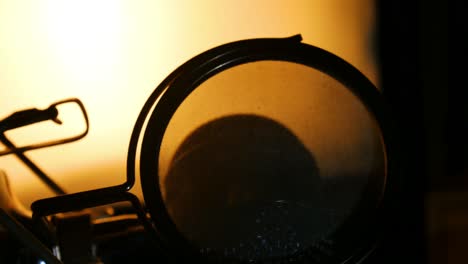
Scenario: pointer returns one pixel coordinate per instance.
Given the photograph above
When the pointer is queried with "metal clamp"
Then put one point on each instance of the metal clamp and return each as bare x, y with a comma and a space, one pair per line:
31, 116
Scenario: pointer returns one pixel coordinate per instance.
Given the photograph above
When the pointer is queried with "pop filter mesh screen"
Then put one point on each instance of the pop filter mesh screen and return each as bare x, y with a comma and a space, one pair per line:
267, 159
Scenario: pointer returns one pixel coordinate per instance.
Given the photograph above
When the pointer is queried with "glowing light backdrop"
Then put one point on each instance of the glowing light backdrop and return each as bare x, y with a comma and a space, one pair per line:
112, 54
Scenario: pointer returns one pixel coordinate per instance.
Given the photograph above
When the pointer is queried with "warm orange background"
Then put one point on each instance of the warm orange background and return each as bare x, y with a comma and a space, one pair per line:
112, 54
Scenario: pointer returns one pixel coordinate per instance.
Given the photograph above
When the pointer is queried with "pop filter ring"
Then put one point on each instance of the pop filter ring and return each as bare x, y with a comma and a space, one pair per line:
362, 230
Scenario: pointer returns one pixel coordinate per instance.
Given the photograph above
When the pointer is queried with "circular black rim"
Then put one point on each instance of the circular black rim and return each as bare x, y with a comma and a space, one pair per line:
168, 96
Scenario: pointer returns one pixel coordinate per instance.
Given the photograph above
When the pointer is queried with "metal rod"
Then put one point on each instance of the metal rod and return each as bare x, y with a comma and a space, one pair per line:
46, 179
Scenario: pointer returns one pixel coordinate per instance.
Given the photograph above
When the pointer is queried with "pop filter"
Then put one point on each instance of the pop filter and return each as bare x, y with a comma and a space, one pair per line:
264, 151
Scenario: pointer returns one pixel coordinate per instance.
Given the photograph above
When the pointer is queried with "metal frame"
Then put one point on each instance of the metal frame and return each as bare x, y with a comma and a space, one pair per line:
31, 116
63, 202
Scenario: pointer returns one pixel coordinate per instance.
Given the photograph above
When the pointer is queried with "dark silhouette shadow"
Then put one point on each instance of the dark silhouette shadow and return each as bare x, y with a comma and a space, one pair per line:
245, 181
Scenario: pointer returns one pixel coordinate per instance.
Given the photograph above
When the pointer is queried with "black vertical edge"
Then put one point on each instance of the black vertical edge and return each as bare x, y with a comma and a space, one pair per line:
398, 49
